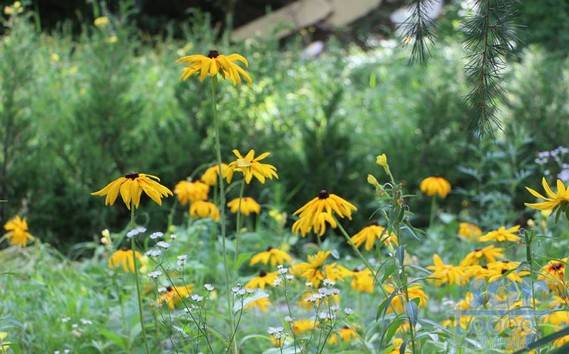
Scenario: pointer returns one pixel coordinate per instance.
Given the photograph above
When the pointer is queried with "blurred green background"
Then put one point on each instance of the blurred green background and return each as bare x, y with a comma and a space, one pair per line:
81, 105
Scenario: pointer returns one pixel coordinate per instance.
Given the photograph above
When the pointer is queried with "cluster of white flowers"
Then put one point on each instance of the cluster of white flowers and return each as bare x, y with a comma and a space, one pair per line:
156, 235
277, 332
65, 351
162, 289
155, 274
136, 231
163, 244
197, 298
348, 311
153, 252
181, 260
209, 287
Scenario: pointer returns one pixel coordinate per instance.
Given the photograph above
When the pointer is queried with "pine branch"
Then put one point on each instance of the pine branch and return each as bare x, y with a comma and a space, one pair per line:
489, 37
418, 30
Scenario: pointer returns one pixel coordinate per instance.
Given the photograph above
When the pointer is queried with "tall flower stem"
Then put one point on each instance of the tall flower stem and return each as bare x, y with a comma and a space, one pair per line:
356, 250
239, 220
213, 103
433, 211
137, 281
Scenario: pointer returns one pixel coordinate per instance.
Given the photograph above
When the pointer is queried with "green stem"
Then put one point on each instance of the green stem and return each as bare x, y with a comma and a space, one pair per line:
356, 250
529, 259
239, 220
213, 103
433, 211
138, 295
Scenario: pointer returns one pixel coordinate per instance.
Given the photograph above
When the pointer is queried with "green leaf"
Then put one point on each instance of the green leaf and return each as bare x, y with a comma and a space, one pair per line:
546, 340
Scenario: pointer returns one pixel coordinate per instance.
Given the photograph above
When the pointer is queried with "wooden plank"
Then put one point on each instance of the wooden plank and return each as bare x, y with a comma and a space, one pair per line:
286, 20
345, 12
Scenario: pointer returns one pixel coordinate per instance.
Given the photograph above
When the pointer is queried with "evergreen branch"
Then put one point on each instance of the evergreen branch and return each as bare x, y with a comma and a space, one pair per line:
489, 37
418, 29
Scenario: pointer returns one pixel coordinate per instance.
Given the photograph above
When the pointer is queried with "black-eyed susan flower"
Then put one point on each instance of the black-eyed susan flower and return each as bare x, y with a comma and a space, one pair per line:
251, 166
554, 200
123, 258
17, 231
446, 273
131, 187
303, 326
321, 210
313, 269
553, 273
345, 333
191, 191
214, 65
362, 280
372, 233
469, 232
210, 176
502, 235
262, 280
505, 269
261, 302
435, 186
245, 206
204, 209
272, 256
174, 295
416, 293
488, 253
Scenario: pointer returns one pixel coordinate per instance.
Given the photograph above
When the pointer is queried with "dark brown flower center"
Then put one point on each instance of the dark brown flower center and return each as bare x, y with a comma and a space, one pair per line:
262, 274
213, 54
557, 266
477, 249
323, 194
504, 271
124, 248
346, 327
131, 175
355, 270
169, 288
269, 249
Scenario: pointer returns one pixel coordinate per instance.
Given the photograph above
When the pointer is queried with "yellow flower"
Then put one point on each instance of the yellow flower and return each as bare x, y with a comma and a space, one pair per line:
464, 322
433, 186
15, 9
17, 231
174, 295
131, 187
272, 256
246, 206
346, 334
316, 213
278, 341
396, 346
54, 57
210, 176
556, 318
362, 280
189, 192
446, 273
415, 291
554, 200
302, 326
214, 64
497, 270
372, 233
112, 39
262, 303
465, 303
123, 258
373, 181
502, 235
278, 216
381, 160
101, 22
553, 273
469, 231
250, 166
262, 280
204, 209
313, 269
489, 253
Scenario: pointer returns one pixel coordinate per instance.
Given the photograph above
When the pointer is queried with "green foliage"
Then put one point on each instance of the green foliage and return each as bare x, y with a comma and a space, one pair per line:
546, 24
